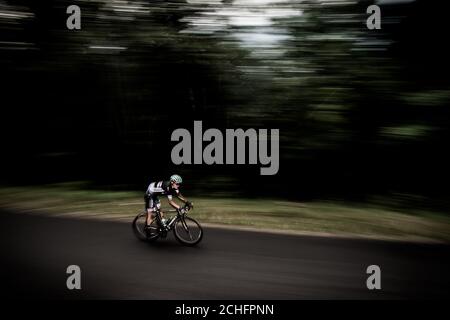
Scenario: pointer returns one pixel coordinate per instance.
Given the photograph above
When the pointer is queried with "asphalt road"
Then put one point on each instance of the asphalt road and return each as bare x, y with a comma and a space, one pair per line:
227, 264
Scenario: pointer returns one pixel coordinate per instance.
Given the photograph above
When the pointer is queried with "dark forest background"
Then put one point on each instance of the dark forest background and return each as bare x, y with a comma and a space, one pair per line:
362, 113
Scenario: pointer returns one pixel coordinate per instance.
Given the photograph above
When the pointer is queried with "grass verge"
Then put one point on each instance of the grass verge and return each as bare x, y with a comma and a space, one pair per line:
76, 200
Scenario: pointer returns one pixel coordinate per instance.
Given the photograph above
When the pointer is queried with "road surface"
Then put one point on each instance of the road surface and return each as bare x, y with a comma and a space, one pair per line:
227, 264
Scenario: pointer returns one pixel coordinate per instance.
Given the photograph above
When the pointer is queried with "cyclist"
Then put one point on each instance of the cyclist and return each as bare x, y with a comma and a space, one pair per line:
170, 188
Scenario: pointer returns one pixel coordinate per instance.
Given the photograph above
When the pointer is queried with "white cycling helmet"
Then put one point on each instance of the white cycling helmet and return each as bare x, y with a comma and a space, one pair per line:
176, 178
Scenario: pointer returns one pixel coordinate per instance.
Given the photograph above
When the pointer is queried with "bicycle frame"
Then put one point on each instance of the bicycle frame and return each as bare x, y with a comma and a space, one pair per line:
172, 219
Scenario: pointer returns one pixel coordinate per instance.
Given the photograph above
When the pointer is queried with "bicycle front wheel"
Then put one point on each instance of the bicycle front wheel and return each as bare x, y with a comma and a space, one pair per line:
188, 231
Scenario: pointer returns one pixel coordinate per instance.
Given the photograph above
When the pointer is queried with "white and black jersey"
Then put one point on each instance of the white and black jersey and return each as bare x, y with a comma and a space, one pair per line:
156, 189
161, 188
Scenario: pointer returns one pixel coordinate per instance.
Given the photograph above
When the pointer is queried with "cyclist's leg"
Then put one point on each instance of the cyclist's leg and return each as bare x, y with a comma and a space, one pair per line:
154, 205
161, 213
149, 208
157, 208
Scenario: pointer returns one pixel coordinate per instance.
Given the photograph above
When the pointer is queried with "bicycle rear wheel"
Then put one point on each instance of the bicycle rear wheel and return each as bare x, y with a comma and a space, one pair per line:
188, 231
138, 228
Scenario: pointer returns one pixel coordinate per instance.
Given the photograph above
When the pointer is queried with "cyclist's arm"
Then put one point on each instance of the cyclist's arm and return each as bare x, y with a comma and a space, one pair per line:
179, 196
173, 203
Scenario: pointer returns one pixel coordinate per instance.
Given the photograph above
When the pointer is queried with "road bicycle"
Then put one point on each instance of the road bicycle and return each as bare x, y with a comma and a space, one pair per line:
186, 229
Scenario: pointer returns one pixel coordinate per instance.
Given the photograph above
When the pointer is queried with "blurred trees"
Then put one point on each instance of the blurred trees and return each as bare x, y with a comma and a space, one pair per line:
360, 112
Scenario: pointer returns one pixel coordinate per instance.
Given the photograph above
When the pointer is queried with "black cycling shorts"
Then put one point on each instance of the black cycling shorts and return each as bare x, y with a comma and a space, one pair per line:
152, 201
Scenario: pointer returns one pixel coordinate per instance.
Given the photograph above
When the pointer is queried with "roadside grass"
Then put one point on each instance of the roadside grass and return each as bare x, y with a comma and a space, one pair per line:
77, 200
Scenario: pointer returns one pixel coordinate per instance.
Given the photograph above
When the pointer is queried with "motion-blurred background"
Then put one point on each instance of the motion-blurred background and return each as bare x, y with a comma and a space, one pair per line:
363, 114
